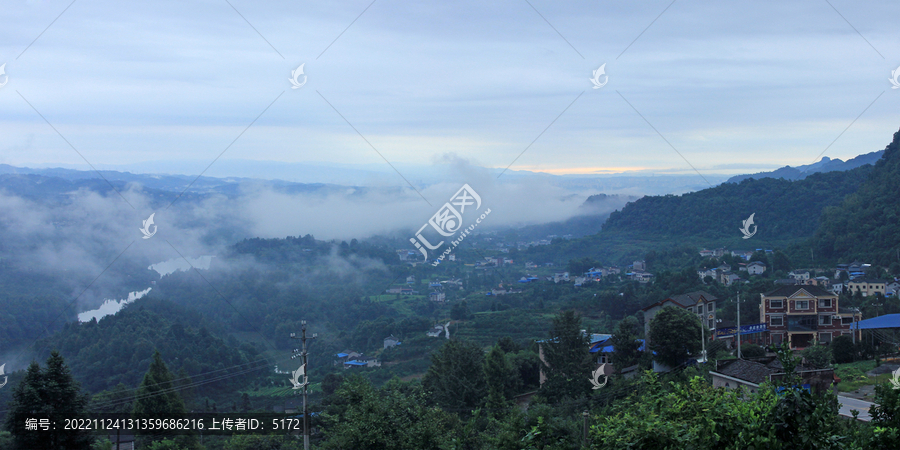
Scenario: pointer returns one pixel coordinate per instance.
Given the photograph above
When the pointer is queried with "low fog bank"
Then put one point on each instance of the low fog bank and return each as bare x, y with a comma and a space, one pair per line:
93, 243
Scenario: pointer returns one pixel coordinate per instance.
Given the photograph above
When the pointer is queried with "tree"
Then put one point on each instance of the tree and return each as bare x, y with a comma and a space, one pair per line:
818, 356
455, 378
331, 382
567, 363
157, 397
752, 351
625, 343
843, 349
580, 266
715, 348
508, 345
674, 335
501, 378
886, 411
780, 262
460, 311
394, 417
51, 392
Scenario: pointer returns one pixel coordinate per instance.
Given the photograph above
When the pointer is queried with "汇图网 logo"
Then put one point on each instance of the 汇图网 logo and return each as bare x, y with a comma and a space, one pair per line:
448, 220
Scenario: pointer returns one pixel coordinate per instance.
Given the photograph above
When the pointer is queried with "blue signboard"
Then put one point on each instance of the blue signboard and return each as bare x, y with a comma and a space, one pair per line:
745, 329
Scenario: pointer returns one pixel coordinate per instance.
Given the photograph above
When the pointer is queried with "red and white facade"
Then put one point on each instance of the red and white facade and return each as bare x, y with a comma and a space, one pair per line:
803, 315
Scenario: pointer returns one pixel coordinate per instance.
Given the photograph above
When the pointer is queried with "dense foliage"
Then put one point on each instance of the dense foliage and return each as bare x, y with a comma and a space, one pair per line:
866, 224
50, 391
675, 335
119, 348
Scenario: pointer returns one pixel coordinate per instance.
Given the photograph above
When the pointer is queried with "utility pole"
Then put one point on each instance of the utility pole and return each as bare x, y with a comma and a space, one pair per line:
702, 337
738, 331
585, 415
304, 360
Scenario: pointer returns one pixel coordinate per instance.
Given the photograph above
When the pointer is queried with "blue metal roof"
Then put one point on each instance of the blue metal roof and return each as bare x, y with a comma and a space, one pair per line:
601, 348
354, 363
885, 321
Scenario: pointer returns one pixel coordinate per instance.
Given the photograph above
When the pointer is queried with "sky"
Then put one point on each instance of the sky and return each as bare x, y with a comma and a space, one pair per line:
690, 87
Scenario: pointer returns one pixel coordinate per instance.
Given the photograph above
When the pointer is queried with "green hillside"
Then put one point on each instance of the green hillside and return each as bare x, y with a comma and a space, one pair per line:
866, 225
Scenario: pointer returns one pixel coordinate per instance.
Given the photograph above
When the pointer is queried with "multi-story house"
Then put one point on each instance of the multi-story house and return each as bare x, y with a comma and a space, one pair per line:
803, 315
701, 303
756, 268
704, 272
892, 288
799, 275
867, 286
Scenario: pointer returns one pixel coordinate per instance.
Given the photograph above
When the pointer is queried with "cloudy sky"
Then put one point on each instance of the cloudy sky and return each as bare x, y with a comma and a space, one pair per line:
734, 87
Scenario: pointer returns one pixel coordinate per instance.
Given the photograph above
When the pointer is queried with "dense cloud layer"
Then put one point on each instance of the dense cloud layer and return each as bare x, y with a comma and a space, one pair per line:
95, 240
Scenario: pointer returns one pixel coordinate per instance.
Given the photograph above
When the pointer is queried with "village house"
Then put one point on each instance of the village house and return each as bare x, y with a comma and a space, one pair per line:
705, 272
803, 315
836, 288
749, 374
892, 288
799, 275
756, 268
743, 254
701, 303
641, 277
639, 266
437, 296
866, 286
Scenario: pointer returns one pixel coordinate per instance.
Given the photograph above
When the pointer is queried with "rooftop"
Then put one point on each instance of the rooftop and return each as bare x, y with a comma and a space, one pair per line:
789, 290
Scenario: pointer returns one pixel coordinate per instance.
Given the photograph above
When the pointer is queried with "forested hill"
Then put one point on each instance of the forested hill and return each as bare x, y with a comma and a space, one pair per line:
784, 210
866, 225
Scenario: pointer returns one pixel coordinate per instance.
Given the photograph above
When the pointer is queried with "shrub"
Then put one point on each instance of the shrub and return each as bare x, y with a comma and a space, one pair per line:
752, 351
843, 349
818, 356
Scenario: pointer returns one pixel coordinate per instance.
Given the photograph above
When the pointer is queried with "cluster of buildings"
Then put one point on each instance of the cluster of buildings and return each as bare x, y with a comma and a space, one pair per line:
349, 359
724, 274
801, 315
720, 252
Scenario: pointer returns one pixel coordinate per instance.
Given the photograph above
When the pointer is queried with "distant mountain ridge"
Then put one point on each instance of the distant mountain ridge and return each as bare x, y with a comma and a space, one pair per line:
825, 165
